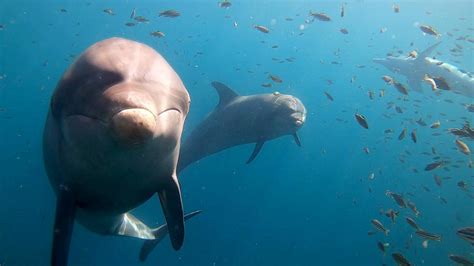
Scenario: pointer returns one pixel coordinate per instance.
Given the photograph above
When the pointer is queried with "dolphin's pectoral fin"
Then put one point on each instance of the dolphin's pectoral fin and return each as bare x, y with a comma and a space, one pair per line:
297, 139
159, 233
63, 225
170, 198
226, 94
415, 85
256, 150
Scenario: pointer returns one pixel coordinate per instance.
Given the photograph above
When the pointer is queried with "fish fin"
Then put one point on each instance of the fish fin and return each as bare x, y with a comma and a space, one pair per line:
256, 150
159, 234
297, 139
415, 84
171, 203
226, 94
426, 52
63, 226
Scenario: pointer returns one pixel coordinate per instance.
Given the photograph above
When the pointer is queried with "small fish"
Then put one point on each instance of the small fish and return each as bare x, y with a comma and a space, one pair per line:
430, 82
443, 200
329, 96
429, 30
433, 165
441, 83
169, 13
467, 233
366, 150
130, 24
362, 121
275, 78
428, 235
262, 28
412, 223
462, 147
382, 30
402, 134
134, 12
225, 4
400, 259
412, 207
461, 260
437, 180
421, 122
398, 198
109, 11
396, 8
382, 246
392, 214
141, 19
435, 124
266, 85
342, 11
344, 31
157, 33
320, 16
379, 226
413, 54
400, 87
371, 176
381, 93
413, 135
462, 185
398, 109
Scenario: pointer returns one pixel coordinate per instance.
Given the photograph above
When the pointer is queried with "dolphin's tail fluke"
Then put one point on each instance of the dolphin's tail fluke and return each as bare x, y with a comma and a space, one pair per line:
160, 233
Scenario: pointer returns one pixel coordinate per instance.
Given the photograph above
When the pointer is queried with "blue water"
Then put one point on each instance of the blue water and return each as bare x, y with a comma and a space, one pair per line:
291, 206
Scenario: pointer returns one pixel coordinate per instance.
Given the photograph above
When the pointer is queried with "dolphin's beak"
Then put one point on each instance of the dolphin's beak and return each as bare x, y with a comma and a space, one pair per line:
133, 126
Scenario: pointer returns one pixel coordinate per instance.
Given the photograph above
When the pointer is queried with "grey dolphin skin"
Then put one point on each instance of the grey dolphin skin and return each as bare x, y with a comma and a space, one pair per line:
111, 141
240, 120
414, 70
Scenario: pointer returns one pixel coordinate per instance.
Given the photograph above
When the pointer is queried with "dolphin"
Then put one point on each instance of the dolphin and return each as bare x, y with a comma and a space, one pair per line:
241, 120
414, 69
111, 141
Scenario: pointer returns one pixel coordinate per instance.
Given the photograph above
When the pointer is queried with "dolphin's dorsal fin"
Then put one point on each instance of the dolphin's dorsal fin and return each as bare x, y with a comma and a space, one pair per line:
427, 51
226, 94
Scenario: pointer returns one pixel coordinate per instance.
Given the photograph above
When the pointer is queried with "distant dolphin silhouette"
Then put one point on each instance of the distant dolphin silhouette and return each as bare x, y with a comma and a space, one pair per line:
240, 120
414, 69
111, 141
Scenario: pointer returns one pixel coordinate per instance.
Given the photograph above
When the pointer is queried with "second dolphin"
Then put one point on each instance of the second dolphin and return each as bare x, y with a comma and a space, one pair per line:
241, 120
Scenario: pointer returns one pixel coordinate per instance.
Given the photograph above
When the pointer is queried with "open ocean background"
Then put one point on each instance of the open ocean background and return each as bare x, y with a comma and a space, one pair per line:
291, 206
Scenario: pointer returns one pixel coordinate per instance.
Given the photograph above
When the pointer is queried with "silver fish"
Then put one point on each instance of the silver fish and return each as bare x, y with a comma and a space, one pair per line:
428, 235
467, 233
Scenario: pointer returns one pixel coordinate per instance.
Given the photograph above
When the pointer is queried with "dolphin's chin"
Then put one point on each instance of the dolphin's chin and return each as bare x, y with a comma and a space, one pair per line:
133, 126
